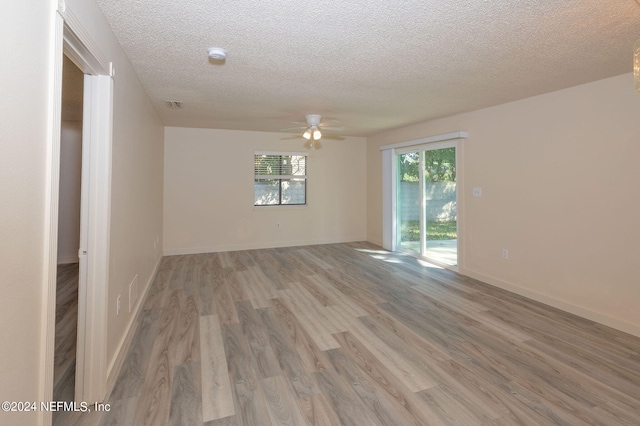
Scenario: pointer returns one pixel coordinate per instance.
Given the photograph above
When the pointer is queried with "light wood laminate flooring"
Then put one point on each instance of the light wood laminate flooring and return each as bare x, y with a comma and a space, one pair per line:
66, 331
349, 334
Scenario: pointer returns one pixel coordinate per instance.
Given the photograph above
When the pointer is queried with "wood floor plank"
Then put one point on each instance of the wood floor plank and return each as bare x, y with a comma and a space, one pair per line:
387, 382
206, 293
227, 421
132, 374
317, 411
312, 356
489, 320
283, 409
258, 287
408, 373
285, 351
343, 400
236, 289
247, 394
154, 401
310, 259
186, 396
188, 333
451, 411
323, 290
615, 412
217, 401
266, 363
311, 316
225, 306
544, 408
387, 410
65, 328
409, 336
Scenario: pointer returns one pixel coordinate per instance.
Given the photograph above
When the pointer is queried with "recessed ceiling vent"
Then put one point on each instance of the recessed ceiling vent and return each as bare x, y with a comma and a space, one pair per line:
173, 104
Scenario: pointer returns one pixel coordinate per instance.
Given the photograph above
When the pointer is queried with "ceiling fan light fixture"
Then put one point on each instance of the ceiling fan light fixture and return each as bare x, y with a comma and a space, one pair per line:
316, 134
307, 134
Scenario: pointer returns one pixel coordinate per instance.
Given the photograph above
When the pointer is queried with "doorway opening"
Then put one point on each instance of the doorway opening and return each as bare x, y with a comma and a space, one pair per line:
427, 202
70, 180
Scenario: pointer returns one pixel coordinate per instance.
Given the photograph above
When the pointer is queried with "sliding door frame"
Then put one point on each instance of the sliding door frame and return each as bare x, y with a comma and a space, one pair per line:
390, 190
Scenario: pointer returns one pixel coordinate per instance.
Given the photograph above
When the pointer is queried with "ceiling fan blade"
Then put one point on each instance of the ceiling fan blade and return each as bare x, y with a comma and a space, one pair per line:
293, 128
333, 137
330, 121
333, 128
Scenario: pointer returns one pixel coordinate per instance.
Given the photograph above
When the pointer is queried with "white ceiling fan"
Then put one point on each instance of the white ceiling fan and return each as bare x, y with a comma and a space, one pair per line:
312, 128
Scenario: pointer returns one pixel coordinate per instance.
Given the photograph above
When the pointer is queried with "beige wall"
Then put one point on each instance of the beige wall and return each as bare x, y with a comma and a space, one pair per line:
208, 198
23, 143
559, 174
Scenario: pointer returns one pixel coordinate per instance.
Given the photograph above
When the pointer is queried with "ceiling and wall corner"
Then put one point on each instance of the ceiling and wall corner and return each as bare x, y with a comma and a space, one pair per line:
374, 65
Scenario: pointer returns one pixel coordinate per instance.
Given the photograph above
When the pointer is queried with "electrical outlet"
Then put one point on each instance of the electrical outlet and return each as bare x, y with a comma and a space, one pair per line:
118, 303
505, 254
477, 191
278, 225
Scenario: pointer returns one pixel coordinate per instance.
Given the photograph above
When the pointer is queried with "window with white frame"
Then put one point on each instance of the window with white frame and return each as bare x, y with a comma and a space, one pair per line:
280, 178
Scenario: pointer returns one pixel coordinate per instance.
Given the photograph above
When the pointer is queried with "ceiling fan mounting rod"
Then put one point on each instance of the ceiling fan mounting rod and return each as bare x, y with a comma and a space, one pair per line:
313, 119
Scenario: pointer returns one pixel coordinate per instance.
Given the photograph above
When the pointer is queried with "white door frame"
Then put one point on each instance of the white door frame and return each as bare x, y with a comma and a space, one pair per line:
91, 370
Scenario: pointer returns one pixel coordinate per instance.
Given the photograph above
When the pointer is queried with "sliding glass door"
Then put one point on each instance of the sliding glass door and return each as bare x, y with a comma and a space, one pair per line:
408, 190
426, 202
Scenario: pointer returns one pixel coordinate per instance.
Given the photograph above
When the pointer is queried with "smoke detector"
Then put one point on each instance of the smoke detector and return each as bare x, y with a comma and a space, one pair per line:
217, 54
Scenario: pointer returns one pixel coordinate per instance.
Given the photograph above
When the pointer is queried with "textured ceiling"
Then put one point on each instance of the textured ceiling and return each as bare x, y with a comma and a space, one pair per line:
374, 65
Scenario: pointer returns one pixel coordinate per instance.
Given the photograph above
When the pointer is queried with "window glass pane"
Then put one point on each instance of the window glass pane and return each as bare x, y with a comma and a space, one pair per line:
280, 179
294, 191
294, 165
266, 192
267, 164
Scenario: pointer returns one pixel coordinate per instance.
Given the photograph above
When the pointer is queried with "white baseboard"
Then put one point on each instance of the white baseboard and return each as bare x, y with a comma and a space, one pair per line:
564, 305
116, 365
376, 242
256, 246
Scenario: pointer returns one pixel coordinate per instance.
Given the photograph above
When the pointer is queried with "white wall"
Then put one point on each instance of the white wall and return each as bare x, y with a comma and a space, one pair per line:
559, 176
208, 192
69, 206
23, 143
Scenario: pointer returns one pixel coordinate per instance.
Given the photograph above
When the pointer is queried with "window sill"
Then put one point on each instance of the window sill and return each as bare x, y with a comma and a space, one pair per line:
282, 207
